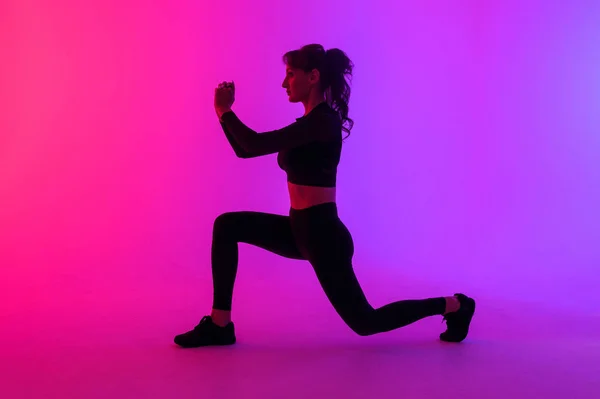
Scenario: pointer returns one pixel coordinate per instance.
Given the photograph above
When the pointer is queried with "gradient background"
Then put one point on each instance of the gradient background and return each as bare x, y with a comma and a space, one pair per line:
473, 164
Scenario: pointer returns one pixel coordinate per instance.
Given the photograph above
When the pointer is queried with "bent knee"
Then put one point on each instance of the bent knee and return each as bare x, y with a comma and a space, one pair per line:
362, 325
226, 222
363, 330
225, 218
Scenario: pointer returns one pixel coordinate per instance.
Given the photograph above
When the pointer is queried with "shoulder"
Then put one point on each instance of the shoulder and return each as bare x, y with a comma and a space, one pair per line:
326, 117
323, 122
331, 122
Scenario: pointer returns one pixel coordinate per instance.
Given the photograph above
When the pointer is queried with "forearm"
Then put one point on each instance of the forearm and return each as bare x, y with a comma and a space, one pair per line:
245, 137
239, 151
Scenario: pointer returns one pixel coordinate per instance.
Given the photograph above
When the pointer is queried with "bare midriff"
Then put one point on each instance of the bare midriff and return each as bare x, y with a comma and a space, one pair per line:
302, 197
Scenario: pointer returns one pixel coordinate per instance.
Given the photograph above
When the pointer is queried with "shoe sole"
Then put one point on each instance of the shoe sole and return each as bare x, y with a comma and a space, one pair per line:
204, 345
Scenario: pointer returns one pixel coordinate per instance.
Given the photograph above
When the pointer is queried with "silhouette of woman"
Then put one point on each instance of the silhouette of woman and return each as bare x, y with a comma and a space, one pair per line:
308, 150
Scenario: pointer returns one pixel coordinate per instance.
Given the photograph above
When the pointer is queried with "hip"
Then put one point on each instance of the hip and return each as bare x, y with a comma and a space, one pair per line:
319, 232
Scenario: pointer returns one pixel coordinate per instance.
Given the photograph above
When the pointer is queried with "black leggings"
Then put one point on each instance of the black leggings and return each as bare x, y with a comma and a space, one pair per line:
318, 235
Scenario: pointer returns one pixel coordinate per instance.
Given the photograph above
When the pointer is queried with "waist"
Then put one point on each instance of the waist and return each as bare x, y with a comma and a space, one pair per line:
302, 197
321, 213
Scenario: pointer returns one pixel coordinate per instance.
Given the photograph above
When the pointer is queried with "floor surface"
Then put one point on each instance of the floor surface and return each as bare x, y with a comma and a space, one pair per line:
113, 340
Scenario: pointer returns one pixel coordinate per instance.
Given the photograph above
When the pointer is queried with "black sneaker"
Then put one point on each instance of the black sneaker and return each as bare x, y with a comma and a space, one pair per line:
207, 333
458, 322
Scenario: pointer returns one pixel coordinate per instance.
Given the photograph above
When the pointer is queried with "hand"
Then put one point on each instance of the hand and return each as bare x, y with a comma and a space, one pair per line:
224, 97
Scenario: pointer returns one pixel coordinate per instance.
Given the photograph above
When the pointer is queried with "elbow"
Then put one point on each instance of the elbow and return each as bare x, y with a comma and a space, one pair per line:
243, 154
248, 150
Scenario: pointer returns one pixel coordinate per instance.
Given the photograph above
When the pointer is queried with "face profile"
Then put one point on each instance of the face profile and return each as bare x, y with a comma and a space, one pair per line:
299, 84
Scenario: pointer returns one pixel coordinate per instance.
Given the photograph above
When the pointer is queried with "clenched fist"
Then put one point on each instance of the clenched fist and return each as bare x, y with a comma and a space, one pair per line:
224, 97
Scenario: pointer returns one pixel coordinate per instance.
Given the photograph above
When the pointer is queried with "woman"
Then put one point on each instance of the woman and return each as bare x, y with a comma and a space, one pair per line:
308, 151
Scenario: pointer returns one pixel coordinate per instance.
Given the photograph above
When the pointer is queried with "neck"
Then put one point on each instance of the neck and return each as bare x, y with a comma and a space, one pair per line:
312, 102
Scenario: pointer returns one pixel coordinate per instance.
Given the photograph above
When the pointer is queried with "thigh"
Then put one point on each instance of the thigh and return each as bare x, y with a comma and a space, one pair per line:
339, 282
264, 230
330, 250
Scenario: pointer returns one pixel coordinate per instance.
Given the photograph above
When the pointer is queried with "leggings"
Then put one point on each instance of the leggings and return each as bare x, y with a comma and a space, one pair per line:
315, 234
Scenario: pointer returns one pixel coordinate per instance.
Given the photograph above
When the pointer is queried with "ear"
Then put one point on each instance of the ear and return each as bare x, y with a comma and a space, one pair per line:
314, 76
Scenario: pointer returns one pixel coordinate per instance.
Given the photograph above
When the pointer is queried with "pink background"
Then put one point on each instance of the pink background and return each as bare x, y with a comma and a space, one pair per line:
473, 164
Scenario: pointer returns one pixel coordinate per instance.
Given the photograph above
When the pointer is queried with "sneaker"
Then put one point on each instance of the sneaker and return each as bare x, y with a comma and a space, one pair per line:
207, 333
458, 322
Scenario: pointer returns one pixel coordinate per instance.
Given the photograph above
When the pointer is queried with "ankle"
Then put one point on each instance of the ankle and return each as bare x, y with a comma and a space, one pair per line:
221, 317
452, 304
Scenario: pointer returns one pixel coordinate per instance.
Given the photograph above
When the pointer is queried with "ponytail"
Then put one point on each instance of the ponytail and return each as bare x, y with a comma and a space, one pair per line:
337, 90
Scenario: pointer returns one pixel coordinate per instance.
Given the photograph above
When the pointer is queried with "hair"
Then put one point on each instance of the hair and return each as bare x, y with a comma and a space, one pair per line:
333, 66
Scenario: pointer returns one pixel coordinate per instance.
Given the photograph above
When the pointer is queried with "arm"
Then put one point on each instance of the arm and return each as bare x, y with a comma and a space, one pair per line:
239, 151
309, 129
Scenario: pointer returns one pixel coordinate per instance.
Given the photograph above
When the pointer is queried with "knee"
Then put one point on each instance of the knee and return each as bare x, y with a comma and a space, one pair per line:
361, 324
225, 223
362, 329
